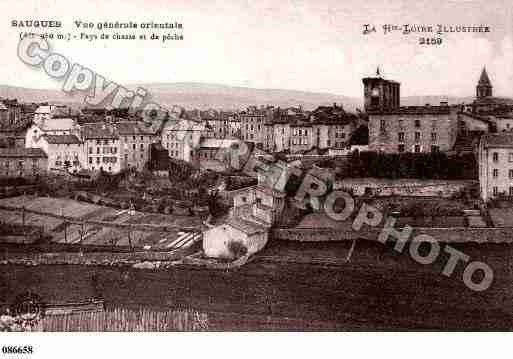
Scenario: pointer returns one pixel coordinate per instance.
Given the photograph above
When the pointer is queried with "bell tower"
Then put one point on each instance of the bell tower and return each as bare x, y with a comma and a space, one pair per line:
484, 86
380, 95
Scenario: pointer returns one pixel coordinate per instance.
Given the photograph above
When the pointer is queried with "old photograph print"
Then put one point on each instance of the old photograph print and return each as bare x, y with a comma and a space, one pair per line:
170, 166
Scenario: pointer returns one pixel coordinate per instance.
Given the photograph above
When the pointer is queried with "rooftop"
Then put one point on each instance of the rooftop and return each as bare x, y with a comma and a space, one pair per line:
134, 128
62, 139
57, 124
503, 139
99, 131
415, 110
217, 143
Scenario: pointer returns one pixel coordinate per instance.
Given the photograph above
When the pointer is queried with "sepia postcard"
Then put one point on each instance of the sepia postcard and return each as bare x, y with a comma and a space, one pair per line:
253, 166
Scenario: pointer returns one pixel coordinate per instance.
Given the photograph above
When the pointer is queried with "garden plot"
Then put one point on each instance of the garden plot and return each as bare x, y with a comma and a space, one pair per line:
98, 235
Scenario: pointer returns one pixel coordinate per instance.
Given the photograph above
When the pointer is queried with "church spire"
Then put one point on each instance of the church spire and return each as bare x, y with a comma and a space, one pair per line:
484, 85
484, 79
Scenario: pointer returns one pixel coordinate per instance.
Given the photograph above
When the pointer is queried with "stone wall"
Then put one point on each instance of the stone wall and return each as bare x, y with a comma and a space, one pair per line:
403, 187
448, 235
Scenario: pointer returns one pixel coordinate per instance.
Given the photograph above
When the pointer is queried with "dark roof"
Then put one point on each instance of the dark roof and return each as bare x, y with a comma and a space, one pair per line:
484, 80
245, 226
301, 124
498, 140
62, 139
415, 110
491, 100
99, 131
134, 128
22, 152
332, 115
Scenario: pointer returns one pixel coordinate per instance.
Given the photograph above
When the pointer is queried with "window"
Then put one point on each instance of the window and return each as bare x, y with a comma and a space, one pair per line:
510, 174
90, 150
495, 190
400, 135
417, 136
90, 160
382, 125
510, 191
495, 173
417, 148
98, 150
417, 123
400, 148
433, 136
511, 157
435, 148
495, 157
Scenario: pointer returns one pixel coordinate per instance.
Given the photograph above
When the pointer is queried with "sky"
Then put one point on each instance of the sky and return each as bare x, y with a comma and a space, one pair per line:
288, 44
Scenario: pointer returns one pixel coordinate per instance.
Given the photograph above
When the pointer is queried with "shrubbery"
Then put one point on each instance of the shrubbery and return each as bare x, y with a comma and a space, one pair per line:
412, 165
237, 249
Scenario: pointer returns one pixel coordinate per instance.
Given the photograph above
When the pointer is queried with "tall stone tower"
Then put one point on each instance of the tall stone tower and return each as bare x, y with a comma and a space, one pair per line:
380, 95
484, 86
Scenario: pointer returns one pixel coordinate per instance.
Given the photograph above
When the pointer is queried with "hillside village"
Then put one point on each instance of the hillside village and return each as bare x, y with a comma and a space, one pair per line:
160, 182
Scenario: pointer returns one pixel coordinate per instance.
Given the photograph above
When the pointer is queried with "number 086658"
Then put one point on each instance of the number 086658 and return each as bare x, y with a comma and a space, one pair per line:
13, 349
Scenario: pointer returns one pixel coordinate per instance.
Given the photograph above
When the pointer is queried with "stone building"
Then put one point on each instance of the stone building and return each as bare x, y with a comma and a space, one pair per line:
10, 113
22, 162
485, 102
301, 136
380, 94
64, 152
102, 147
252, 125
255, 210
181, 138
396, 129
135, 139
413, 129
495, 158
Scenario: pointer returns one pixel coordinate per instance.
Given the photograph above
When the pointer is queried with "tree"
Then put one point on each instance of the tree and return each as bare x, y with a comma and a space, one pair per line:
360, 136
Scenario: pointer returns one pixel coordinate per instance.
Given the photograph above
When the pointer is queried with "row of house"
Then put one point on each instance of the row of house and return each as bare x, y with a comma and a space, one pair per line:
104, 146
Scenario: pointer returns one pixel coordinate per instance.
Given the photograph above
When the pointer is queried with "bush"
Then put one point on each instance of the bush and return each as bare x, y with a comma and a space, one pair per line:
412, 165
237, 249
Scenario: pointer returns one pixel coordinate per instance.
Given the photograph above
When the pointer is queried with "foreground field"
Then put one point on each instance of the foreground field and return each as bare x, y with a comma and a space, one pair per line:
315, 287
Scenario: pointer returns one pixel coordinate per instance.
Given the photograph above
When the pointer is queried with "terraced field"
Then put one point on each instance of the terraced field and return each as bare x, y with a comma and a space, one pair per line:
93, 234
